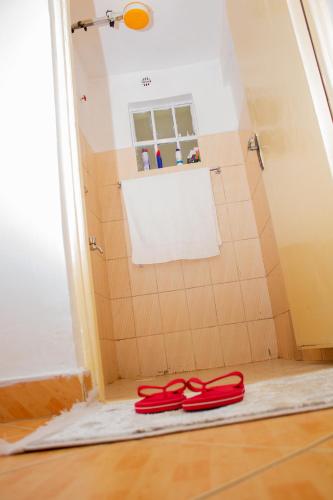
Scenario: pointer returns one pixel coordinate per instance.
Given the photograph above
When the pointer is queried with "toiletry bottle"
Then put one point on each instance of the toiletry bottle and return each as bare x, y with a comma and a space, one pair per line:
189, 157
145, 159
179, 160
197, 154
159, 159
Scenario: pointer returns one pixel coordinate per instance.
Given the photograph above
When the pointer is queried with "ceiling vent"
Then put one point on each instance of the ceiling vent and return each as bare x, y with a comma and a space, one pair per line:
146, 81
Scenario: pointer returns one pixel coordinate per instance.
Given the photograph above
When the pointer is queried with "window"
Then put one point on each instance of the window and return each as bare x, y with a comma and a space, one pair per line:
165, 125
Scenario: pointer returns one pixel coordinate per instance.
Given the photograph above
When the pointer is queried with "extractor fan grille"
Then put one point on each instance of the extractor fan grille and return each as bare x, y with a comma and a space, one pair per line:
146, 81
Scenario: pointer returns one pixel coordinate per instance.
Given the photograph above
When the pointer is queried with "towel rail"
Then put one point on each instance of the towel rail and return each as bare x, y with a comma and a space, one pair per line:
217, 170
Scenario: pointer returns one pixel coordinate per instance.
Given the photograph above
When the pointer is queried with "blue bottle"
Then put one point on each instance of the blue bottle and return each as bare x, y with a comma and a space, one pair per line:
159, 159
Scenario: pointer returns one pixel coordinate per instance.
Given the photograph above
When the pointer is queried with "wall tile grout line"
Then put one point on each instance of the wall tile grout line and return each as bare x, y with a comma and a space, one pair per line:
273, 269
161, 263
217, 321
255, 186
256, 472
265, 225
227, 203
244, 309
103, 296
195, 329
162, 333
187, 288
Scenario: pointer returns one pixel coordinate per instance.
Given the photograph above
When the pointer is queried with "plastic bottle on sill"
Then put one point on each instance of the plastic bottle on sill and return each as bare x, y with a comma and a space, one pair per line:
179, 159
191, 156
145, 159
159, 160
197, 154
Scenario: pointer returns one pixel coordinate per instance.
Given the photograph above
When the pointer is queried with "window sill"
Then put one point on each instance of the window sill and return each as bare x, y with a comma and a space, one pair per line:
174, 168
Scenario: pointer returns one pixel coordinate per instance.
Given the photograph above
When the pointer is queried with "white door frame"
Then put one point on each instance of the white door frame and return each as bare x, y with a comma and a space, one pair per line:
73, 209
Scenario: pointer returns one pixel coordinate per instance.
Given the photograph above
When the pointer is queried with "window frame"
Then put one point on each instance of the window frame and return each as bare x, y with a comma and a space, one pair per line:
150, 108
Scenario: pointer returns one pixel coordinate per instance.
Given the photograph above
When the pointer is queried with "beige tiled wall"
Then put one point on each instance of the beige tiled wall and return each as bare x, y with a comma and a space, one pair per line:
98, 262
272, 268
187, 315
183, 315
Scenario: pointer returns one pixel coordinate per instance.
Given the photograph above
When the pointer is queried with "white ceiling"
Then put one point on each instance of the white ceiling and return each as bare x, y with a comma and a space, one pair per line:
183, 32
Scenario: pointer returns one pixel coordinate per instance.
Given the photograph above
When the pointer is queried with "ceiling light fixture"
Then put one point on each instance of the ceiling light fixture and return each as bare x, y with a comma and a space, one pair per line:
135, 15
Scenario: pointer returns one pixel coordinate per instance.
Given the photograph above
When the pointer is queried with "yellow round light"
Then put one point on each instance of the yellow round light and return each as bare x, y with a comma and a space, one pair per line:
136, 16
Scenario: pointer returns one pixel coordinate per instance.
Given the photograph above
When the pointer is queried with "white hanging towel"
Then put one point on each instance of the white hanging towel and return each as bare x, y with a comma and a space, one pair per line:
171, 217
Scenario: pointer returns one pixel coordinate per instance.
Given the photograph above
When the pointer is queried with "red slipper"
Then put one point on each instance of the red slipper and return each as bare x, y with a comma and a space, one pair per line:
166, 399
216, 396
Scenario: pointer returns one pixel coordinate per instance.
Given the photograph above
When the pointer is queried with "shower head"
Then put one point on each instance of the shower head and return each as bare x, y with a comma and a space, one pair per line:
135, 15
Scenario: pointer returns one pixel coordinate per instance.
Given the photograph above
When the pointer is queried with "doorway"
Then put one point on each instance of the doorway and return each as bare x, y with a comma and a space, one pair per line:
180, 317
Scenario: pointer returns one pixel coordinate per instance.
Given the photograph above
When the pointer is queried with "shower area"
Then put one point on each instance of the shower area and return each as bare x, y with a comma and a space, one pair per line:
135, 92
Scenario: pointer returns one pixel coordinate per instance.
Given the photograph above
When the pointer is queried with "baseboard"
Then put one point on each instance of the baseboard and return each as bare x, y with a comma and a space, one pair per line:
42, 397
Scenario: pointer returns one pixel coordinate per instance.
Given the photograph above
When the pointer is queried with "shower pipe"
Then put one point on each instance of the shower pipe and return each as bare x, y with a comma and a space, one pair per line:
110, 18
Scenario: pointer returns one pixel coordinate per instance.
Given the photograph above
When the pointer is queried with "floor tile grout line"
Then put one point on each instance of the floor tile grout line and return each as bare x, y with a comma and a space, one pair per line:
232, 446
246, 446
230, 484
22, 427
34, 420
41, 461
236, 481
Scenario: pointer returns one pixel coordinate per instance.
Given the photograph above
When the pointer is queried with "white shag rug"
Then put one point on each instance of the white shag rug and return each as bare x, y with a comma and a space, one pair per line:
91, 423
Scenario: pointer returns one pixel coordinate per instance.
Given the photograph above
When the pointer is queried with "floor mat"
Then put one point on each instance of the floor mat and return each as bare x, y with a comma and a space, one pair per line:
92, 423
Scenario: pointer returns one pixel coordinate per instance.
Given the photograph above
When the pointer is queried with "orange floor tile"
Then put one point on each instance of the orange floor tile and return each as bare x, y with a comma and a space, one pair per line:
281, 458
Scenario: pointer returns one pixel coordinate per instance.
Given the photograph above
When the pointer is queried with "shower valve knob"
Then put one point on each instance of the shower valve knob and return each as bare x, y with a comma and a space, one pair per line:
93, 245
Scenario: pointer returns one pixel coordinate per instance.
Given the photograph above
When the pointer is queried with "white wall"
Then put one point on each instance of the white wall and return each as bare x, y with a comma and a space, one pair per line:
229, 64
36, 336
213, 98
82, 88
215, 84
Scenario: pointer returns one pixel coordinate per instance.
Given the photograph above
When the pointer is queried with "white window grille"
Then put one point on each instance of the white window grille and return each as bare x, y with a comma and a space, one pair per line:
165, 124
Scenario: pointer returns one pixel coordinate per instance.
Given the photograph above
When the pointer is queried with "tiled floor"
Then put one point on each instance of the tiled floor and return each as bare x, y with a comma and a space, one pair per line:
282, 458
253, 372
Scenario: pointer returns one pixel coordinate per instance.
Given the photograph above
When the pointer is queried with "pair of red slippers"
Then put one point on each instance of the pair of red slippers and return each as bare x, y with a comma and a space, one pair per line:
171, 396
